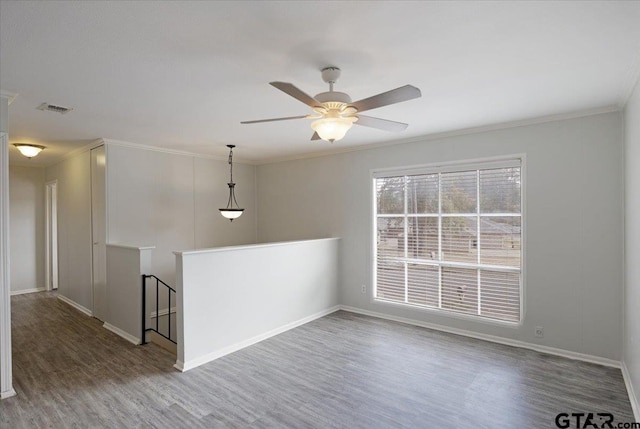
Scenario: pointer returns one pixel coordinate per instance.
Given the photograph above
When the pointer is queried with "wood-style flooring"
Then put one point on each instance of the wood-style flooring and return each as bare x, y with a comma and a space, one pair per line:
341, 371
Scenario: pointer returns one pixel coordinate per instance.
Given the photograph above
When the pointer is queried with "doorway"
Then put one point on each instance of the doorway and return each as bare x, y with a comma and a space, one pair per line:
98, 231
51, 235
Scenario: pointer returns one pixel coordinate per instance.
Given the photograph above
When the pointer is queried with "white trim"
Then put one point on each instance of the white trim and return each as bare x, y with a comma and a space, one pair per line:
506, 161
51, 219
185, 366
491, 338
124, 246
449, 134
6, 376
162, 312
633, 398
517, 160
10, 96
7, 394
75, 305
25, 291
141, 146
127, 336
86, 148
632, 79
249, 246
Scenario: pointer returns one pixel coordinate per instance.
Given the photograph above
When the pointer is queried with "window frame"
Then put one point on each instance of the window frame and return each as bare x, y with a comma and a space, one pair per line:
447, 167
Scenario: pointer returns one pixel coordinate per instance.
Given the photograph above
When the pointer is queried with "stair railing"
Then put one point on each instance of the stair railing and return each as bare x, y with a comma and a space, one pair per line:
156, 329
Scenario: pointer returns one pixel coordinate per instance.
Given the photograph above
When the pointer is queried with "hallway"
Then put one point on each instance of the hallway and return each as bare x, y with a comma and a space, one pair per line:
64, 360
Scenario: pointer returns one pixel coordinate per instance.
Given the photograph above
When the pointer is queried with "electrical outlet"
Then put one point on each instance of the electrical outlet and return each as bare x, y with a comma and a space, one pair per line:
364, 288
539, 332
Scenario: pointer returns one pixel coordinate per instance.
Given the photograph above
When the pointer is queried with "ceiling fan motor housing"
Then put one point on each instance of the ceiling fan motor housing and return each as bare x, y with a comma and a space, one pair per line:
330, 74
333, 96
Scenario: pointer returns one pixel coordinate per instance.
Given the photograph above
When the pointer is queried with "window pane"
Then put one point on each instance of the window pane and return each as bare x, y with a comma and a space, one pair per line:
423, 284
500, 240
500, 295
500, 190
422, 194
428, 222
390, 270
459, 241
390, 237
459, 192
390, 195
390, 280
423, 238
460, 290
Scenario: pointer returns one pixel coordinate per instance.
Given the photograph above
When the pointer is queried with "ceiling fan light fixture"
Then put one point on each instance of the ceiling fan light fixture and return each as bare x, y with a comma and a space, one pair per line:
332, 129
29, 150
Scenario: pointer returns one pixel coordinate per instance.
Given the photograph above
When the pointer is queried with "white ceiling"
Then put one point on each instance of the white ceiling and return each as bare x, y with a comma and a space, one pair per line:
182, 75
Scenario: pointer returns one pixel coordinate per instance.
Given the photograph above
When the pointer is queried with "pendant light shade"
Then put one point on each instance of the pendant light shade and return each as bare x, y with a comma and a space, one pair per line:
29, 150
231, 212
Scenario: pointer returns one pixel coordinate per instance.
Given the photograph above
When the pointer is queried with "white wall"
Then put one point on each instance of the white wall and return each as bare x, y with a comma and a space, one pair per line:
125, 266
74, 227
573, 221
26, 204
631, 353
236, 296
171, 202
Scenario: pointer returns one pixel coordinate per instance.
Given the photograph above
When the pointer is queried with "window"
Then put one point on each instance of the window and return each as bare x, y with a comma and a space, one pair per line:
449, 239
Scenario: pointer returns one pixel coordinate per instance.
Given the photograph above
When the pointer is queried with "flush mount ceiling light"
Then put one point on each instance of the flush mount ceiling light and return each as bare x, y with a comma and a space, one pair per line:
29, 150
231, 212
334, 113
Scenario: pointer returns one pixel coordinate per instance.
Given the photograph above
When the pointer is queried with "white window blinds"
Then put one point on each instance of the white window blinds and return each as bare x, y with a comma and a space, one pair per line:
450, 239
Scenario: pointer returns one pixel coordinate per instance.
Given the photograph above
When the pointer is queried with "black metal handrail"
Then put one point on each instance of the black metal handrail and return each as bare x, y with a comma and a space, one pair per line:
144, 309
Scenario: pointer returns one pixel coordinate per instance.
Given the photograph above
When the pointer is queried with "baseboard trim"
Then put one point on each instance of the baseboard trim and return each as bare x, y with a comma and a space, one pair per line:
127, 336
179, 365
635, 405
193, 363
491, 338
7, 394
75, 305
24, 291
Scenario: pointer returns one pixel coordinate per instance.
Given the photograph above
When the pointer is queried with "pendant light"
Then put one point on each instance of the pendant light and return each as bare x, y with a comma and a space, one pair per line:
29, 150
231, 212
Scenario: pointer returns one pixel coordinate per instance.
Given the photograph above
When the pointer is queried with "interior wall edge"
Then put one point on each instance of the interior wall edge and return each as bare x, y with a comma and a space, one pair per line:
633, 398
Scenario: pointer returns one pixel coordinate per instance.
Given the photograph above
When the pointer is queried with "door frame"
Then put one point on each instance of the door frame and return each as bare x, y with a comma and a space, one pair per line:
98, 232
6, 376
51, 234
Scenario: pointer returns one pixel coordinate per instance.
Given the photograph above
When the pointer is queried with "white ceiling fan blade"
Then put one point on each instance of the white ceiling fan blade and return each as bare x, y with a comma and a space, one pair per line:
296, 93
398, 95
274, 119
381, 124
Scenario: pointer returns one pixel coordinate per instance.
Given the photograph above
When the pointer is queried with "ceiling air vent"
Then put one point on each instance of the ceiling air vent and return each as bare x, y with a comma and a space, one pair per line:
54, 108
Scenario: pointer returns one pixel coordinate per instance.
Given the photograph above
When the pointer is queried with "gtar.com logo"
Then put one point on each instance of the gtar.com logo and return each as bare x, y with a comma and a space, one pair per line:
590, 420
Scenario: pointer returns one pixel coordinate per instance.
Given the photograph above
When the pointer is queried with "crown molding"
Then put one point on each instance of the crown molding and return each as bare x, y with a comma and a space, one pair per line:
10, 96
140, 146
275, 160
95, 143
630, 82
455, 133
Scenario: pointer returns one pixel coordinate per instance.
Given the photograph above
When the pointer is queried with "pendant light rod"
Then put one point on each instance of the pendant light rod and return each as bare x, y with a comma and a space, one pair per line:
231, 212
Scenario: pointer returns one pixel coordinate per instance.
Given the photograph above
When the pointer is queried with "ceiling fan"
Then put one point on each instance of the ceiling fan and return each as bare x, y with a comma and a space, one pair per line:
335, 113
